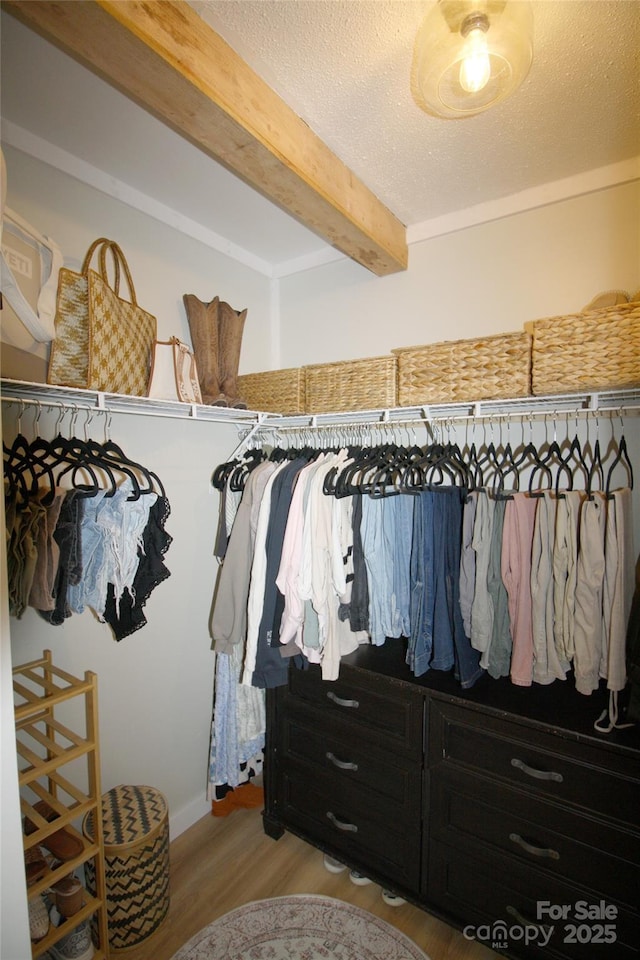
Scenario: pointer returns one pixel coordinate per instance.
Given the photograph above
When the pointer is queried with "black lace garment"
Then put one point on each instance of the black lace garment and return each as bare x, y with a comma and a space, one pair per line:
151, 572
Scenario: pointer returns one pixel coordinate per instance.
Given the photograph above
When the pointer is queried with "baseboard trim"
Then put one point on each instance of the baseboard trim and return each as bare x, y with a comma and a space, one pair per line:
186, 816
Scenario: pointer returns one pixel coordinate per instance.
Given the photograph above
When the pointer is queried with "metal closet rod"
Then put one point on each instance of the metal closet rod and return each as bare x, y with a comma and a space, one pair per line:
622, 402
48, 396
610, 403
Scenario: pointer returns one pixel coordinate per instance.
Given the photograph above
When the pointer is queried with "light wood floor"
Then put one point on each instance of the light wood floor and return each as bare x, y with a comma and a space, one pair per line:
221, 863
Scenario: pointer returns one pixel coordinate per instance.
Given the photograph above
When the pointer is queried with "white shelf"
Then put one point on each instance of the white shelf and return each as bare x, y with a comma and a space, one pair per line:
626, 401
73, 397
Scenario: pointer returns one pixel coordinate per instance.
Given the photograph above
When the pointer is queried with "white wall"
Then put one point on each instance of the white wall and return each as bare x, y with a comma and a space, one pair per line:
164, 264
14, 921
155, 687
490, 278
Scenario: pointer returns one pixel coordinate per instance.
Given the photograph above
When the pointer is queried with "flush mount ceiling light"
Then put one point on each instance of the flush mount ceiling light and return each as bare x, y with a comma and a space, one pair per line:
470, 55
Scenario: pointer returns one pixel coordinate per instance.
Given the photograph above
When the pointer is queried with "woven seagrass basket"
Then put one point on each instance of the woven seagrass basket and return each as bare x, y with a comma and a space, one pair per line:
486, 368
136, 862
595, 350
368, 384
274, 391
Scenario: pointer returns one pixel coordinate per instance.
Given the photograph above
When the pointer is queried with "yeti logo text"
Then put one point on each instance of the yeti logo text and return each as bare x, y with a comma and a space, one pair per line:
17, 262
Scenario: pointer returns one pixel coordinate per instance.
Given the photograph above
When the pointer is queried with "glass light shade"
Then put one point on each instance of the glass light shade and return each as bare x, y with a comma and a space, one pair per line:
471, 54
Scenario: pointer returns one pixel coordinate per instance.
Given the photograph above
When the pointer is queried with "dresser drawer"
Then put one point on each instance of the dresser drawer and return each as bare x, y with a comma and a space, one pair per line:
353, 823
354, 760
391, 714
471, 813
549, 765
502, 904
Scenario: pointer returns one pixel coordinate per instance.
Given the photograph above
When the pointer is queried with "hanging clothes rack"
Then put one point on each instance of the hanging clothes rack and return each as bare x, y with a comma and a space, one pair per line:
49, 395
71, 398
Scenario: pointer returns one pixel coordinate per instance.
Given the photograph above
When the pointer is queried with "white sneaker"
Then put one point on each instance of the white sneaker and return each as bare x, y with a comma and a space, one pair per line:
333, 865
392, 899
358, 878
38, 918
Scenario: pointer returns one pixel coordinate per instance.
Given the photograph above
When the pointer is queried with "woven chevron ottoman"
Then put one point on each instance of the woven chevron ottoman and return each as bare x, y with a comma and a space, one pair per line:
136, 862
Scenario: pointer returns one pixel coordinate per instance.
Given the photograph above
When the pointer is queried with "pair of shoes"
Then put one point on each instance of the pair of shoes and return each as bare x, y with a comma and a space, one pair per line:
35, 865
67, 894
392, 899
75, 945
38, 918
246, 796
358, 878
62, 844
333, 865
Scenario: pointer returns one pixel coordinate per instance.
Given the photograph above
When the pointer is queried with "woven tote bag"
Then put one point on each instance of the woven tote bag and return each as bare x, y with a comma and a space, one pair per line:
103, 342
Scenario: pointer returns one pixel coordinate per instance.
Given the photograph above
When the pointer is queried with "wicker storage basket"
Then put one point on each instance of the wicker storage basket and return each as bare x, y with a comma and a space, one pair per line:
595, 350
367, 384
488, 368
274, 391
136, 862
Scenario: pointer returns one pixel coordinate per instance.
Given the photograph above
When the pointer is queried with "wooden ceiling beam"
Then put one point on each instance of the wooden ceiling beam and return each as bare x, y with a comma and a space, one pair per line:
163, 56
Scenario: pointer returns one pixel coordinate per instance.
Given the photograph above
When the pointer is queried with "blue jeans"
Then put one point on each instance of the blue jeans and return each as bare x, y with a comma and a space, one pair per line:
422, 585
438, 640
402, 513
466, 660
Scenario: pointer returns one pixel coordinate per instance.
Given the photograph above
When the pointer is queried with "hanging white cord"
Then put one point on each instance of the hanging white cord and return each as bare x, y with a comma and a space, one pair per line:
612, 714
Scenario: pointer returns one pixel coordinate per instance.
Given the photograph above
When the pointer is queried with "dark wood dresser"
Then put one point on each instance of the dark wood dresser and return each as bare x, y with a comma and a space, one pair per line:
499, 809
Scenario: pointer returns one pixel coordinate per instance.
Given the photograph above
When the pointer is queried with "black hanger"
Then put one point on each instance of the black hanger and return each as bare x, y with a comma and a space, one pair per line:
622, 456
543, 463
19, 469
596, 471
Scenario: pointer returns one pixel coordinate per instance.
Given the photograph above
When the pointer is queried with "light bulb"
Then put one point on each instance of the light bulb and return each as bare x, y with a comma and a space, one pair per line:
475, 69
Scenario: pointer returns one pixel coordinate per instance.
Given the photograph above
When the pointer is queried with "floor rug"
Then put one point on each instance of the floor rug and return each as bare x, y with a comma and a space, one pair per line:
299, 927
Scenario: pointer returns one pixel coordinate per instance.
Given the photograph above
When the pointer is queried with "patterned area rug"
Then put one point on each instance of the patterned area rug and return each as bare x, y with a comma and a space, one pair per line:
299, 928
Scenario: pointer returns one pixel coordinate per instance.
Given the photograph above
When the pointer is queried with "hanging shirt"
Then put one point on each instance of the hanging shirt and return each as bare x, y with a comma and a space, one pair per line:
290, 580
546, 663
588, 633
619, 584
496, 659
482, 603
258, 577
565, 566
271, 667
468, 560
229, 618
517, 535
41, 593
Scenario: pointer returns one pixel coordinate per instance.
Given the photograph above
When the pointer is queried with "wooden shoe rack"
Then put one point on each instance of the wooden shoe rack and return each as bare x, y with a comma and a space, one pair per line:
60, 765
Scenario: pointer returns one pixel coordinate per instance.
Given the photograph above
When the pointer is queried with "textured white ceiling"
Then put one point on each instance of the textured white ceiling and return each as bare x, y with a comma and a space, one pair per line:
344, 67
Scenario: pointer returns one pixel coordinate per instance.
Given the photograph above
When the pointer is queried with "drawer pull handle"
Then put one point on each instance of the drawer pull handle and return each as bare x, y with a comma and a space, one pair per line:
353, 704
534, 851
341, 764
526, 922
538, 774
341, 824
